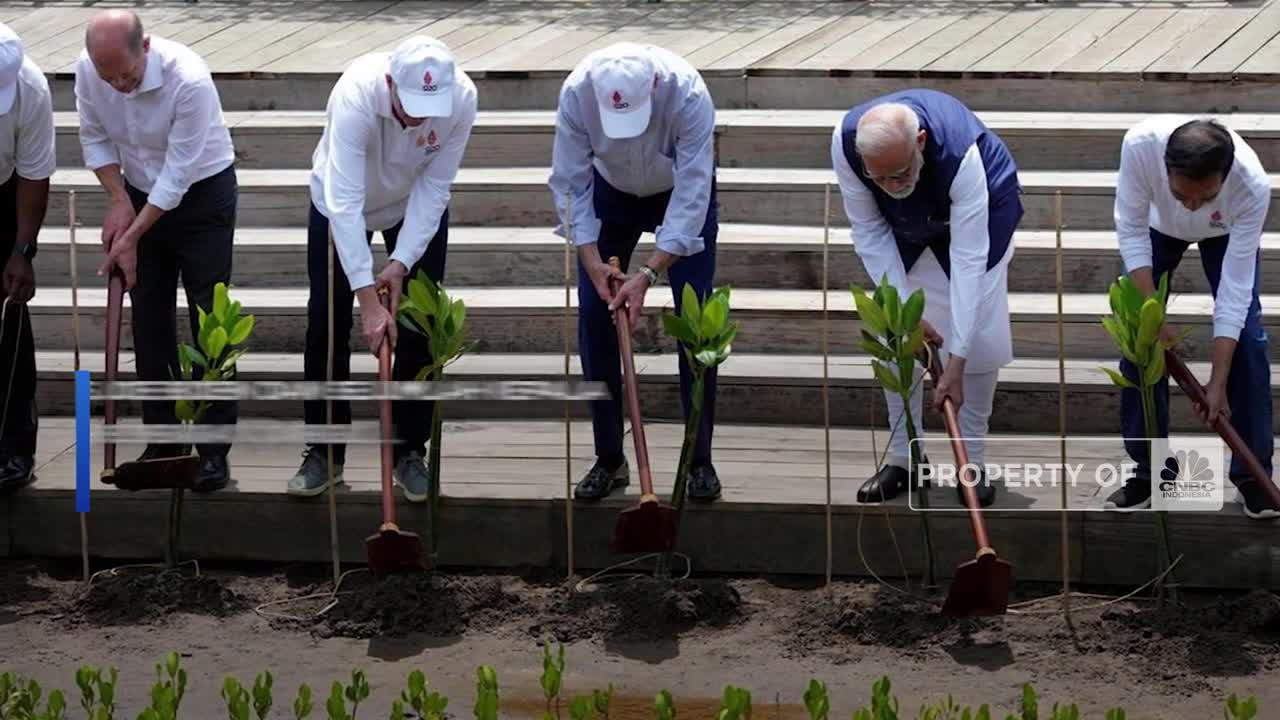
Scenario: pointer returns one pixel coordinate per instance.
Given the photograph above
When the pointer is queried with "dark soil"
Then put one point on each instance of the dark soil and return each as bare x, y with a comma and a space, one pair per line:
641, 609
142, 596
402, 604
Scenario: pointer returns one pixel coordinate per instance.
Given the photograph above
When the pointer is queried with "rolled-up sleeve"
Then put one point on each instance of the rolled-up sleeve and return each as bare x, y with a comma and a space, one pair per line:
572, 176
1239, 265
1133, 204
432, 190
344, 190
36, 158
872, 237
681, 230
97, 147
970, 246
196, 112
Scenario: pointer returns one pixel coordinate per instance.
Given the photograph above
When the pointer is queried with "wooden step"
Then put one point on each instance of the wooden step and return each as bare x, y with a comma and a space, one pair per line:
507, 480
531, 319
753, 388
745, 138
749, 256
520, 197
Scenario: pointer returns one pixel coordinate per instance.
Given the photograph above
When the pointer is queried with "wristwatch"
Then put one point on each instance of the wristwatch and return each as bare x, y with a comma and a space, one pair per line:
650, 273
26, 250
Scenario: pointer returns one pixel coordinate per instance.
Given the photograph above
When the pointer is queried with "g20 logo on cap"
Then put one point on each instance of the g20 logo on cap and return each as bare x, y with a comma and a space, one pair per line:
428, 83
618, 103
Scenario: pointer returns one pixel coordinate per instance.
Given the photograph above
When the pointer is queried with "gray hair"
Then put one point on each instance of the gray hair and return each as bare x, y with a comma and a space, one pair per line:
884, 126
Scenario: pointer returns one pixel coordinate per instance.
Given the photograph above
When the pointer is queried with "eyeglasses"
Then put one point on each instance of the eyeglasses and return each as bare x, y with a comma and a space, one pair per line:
901, 176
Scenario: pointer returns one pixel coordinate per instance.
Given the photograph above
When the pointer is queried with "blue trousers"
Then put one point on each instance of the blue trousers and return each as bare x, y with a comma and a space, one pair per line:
1248, 385
623, 218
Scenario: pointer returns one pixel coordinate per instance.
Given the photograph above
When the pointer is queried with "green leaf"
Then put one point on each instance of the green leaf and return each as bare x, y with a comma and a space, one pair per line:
707, 358
885, 376
220, 301
912, 311
217, 343
676, 327
422, 297
873, 318
1154, 370
691, 308
241, 331
916, 342
714, 316
893, 309
1119, 335
1119, 379
185, 411
872, 346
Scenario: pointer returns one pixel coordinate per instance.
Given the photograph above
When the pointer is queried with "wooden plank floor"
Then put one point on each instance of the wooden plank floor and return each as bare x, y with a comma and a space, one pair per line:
524, 460
1210, 38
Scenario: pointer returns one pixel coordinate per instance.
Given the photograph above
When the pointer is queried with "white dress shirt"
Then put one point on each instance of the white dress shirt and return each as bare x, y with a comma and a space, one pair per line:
874, 241
676, 152
1144, 201
167, 134
26, 131
369, 172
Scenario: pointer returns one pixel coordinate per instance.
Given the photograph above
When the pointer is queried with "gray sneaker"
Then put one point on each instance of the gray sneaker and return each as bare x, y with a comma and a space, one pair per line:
312, 477
411, 474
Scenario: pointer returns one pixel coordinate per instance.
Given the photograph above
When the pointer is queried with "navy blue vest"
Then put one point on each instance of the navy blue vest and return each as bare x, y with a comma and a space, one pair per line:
923, 219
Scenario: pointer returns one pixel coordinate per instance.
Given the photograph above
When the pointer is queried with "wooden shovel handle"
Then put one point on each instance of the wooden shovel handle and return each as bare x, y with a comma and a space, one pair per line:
115, 303
623, 324
384, 417
962, 455
1194, 390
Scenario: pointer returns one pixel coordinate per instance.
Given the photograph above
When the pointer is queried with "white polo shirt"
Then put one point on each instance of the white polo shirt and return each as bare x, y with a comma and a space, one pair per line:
675, 152
369, 173
26, 131
1144, 201
167, 134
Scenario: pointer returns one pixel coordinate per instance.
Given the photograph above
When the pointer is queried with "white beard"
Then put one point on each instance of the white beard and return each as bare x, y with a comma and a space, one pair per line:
901, 194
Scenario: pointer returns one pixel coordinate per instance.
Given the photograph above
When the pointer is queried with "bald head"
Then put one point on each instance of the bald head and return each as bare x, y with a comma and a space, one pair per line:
890, 144
118, 47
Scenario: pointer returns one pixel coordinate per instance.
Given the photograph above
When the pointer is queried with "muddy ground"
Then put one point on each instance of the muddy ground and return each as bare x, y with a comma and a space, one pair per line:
693, 637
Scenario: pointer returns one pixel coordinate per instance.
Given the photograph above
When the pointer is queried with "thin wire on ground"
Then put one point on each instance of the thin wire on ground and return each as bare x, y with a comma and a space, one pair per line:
610, 574
332, 595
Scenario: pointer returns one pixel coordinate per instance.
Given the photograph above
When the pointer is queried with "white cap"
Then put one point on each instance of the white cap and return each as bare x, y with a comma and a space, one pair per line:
623, 76
422, 69
11, 54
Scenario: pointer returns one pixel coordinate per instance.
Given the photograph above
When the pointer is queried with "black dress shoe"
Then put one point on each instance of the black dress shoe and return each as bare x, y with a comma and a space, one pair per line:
16, 471
704, 484
886, 484
159, 452
212, 475
602, 479
985, 490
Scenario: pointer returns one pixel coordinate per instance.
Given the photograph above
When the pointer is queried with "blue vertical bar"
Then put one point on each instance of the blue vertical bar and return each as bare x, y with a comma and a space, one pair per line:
82, 441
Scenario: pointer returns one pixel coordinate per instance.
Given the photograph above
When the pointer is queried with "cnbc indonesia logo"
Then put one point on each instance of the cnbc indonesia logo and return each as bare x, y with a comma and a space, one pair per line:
1191, 475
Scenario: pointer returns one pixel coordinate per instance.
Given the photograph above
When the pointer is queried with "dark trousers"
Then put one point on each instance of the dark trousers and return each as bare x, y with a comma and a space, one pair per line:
412, 418
1248, 385
623, 218
17, 348
193, 240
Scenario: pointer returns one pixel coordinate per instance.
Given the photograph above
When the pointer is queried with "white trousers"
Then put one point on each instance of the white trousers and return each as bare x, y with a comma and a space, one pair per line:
992, 348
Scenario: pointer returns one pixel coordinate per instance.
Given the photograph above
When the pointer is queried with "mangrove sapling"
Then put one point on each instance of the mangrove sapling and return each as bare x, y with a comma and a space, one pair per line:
1134, 326
167, 692
1240, 709
816, 700
428, 310
222, 329
20, 700
601, 700
664, 707
97, 692
425, 705
704, 334
736, 704
486, 707
236, 698
883, 706
1115, 714
581, 707
262, 700
552, 677
355, 693
302, 704
893, 335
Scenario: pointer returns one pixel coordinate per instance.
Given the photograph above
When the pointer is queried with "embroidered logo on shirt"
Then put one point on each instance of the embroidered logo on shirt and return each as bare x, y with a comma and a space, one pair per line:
618, 104
429, 142
427, 84
1215, 220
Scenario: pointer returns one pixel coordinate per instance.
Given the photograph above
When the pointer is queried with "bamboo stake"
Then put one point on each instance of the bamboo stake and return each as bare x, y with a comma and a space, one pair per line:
75, 356
826, 396
568, 425
331, 249
1062, 420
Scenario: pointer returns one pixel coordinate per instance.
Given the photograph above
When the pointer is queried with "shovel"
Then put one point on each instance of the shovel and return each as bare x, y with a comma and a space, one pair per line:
390, 550
1194, 390
650, 526
979, 586
155, 474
